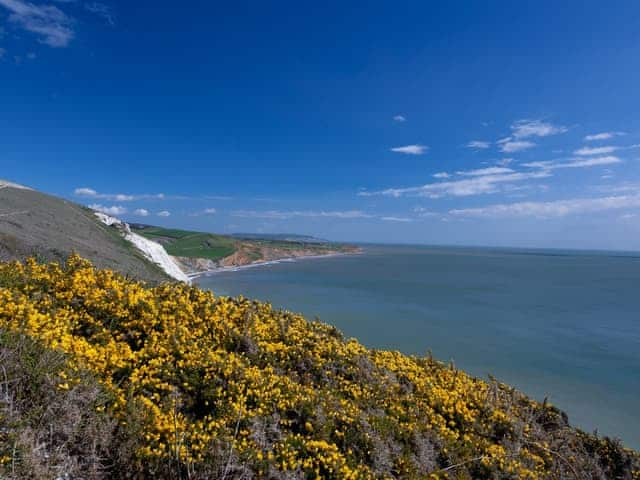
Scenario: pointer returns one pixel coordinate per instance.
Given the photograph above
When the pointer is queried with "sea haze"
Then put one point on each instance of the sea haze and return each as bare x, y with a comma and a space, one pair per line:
558, 324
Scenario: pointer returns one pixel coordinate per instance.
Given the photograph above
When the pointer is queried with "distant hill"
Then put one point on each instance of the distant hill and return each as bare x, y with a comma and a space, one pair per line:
287, 237
36, 224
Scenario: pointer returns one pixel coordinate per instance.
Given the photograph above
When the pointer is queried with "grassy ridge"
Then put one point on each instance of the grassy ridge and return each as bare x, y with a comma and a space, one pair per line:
173, 382
183, 243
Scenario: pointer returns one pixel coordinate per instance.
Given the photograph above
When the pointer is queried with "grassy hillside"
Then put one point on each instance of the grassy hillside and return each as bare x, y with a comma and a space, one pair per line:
36, 224
183, 243
105, 378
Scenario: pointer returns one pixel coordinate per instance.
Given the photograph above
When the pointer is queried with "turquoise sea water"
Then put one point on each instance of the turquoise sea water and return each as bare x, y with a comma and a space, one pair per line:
558, 324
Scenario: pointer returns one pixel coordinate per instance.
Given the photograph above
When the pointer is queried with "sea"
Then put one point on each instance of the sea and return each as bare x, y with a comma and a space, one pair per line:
556, 324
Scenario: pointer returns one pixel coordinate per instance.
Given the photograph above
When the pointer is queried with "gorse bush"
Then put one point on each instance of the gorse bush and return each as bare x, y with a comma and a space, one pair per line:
173, 382
47, 431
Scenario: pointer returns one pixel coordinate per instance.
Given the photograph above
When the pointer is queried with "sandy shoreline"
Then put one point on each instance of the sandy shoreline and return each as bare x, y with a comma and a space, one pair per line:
235, 268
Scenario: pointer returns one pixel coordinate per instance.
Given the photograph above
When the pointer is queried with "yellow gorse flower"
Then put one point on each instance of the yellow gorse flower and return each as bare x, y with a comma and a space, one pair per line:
207, 369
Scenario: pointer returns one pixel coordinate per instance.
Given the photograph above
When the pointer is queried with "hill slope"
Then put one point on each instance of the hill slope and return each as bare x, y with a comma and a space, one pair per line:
172, 382
36, 224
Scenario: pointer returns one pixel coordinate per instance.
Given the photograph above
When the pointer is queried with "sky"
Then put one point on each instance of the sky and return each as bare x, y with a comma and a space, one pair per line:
494, 123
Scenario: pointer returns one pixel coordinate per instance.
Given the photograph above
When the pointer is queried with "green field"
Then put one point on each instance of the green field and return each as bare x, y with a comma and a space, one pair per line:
182, 243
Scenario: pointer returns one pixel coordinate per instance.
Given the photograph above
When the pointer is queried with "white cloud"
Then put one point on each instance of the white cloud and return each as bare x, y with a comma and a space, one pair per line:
52, 25
484, 171
400, 118
603, 136
475, 185
441, 175
478, 144
535, 128
85, 192
411, 149
117, 197
577, 163
164, 213
141, 212
584, 151
397, 219
558, 208
210, 211
112, 210
281, 215
507, 145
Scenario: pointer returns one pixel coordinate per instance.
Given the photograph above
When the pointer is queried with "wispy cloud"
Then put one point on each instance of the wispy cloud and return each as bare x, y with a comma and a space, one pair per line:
475, 185
535, 128
206, 211
112, 210
51, 24
441, 175
577, 163
286, 214
400, 118
397, 219
584, 151
424, 212
505, 161
558, 208
478, 144
603, 136
102, 10
523, 129
484, 171
626, 187
507, 145
164, 213
141, 212
217, 197
411, 149
118, 197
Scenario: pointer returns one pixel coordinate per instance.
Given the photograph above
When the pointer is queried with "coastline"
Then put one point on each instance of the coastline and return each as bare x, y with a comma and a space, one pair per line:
235, 268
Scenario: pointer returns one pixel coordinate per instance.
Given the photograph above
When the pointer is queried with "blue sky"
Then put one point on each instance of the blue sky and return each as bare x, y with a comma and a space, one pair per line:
481, 123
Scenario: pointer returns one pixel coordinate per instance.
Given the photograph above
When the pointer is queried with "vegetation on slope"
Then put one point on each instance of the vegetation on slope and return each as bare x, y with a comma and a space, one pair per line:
173, 382
183, 243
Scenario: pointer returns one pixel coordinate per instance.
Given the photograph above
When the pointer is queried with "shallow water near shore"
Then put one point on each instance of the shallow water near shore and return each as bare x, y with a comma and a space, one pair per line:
558, 324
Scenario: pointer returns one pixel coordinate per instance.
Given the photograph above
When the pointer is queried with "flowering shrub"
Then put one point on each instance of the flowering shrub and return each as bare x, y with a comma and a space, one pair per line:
215, 387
